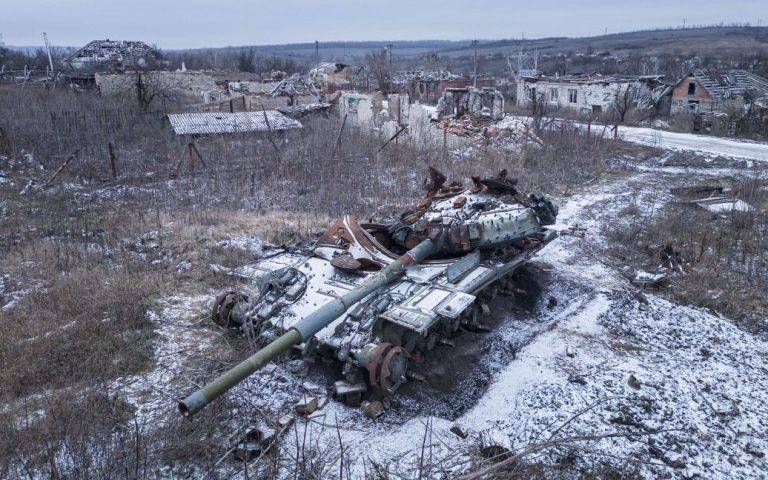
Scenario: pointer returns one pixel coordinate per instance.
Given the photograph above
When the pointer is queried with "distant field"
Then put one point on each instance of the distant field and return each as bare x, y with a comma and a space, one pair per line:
652, 42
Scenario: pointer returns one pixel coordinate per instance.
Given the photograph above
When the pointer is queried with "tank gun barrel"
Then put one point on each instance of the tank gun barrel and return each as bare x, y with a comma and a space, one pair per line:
305, 329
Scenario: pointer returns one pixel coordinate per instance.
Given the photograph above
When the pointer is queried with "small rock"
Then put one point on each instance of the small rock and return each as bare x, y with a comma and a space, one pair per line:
285, 421
309, 387
570, 351
269, 368
551, 303
306, 405
633, 382
495, 452
316, 415
456, 430
298, 367
750, 449
372, 409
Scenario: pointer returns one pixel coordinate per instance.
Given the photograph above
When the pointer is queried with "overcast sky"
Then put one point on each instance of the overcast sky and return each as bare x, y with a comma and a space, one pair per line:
204, 23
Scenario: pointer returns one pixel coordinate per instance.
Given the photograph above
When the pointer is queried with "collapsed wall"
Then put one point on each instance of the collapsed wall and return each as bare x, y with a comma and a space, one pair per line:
372, 114
471, 101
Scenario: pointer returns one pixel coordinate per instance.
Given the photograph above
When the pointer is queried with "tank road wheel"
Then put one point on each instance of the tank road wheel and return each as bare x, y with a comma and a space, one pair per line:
525, 284
449, 326
222, 309
471, 320
388, 367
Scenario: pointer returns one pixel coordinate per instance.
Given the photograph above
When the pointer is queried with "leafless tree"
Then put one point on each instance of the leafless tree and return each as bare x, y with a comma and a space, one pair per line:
623, 102
380, 69
245, 61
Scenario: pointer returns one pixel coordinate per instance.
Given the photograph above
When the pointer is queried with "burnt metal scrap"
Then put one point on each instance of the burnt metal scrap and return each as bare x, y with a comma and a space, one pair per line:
375, 296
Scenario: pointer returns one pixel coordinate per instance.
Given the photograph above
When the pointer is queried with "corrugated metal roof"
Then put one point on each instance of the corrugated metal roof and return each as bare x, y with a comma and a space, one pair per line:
238, 122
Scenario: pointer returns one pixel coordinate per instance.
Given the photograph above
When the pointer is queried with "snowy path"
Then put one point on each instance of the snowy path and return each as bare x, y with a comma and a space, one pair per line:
705, 144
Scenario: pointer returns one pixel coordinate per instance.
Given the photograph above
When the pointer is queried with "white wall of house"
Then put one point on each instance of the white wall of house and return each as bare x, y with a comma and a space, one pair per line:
583, 96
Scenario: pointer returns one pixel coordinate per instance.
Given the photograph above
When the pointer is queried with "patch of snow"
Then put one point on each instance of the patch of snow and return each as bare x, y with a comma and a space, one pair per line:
247, 243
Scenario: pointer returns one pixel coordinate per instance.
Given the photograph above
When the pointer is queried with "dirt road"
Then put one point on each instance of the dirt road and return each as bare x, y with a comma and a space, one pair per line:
704, 144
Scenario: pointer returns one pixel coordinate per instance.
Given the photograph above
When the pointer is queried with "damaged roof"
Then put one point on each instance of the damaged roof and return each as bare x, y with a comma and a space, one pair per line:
595, 78
728, 84
238, 122
115, 52
295, 85
424, 75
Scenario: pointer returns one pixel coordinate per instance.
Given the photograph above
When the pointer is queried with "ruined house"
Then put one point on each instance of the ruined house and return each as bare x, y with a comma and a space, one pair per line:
333, 77
114, 55
471, 101
594, 93
711, 91
427, 86
297, 90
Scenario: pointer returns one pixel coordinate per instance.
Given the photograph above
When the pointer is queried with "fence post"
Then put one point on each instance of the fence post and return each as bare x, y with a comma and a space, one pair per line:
112, 160
190, 158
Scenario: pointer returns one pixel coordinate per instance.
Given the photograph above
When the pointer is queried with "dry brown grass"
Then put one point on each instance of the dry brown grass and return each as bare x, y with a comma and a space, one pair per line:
275, 227
728, 271
84, 322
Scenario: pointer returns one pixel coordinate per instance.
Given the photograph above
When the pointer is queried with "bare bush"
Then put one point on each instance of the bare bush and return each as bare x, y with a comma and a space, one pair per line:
728, 268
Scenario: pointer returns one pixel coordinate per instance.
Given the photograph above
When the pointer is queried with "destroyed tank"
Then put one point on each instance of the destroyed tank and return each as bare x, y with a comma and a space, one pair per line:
372, 296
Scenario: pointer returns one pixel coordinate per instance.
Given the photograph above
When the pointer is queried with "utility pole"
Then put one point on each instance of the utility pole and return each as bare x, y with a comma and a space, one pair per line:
317, 52
389, 54
474, 78
48, 50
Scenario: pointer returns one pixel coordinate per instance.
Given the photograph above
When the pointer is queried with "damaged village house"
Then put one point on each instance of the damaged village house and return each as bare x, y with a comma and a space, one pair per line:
132, 68
434, 108
595, 94
717, 99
